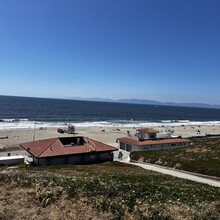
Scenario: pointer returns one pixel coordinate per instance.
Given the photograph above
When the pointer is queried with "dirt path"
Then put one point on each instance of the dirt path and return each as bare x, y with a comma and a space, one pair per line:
179, 174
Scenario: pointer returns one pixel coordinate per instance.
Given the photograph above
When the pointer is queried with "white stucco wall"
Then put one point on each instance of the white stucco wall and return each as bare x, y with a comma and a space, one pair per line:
159, 146
11, 160
146, 136
154, 147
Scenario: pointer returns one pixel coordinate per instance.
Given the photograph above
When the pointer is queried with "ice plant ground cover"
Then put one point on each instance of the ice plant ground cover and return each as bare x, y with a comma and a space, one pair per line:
115, 190
201, 157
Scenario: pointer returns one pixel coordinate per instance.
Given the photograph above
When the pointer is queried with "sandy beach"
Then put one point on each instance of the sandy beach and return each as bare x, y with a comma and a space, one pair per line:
106, 135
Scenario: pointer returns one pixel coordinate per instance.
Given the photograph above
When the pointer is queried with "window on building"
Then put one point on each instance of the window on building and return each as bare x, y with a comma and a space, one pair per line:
128, 147
122, 146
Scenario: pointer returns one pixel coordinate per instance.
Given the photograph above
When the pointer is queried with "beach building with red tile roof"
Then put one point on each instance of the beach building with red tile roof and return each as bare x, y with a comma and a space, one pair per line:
146, 139
68, 150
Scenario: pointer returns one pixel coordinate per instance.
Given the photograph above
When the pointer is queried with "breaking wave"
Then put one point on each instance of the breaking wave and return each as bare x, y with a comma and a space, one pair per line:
29, 123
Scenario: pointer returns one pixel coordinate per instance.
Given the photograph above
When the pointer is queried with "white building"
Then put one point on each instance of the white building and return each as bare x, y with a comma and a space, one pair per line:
147, 140
147, 134
12, 160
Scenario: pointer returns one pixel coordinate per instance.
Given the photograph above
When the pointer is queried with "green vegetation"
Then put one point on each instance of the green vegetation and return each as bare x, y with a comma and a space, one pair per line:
125, 191
202, 157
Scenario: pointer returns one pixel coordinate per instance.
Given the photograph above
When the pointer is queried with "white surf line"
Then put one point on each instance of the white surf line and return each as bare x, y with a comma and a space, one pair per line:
178, 174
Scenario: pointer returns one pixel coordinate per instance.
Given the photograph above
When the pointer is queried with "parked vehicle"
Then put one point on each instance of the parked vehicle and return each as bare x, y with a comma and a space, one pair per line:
60, 130
70, 130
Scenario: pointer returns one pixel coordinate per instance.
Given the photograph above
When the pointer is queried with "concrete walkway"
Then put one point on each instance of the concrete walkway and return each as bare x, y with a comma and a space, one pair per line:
177, 173
169, 171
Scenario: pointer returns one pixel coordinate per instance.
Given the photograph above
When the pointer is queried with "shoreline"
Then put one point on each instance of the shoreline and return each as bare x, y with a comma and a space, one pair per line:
26, 124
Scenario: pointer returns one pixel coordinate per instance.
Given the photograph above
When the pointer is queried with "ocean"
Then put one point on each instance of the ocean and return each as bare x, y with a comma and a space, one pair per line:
23, 112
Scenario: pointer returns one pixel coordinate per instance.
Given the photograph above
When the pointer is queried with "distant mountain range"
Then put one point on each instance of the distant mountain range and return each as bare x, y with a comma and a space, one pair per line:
148, 102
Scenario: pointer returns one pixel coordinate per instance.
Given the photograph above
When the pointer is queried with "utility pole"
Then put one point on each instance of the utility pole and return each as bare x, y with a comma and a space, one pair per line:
34, 132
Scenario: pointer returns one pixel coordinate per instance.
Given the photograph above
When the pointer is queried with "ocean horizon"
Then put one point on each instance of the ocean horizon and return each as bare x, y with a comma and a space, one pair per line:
25, 112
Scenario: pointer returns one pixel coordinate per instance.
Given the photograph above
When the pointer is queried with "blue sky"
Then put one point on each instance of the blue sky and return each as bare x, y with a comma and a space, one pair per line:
165, 50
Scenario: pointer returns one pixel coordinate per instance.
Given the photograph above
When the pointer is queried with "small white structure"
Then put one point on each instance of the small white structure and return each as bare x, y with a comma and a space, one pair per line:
147, 133
11, 160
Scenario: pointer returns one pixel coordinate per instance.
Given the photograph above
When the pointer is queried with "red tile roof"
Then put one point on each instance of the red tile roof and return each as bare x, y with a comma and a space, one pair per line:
37, 147
54, 147
154, 142
147, 130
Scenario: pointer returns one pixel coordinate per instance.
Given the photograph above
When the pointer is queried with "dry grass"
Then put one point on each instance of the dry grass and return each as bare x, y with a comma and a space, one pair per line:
20, 203
104, 191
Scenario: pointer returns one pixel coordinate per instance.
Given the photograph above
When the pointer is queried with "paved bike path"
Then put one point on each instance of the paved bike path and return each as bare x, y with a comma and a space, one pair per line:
180, 174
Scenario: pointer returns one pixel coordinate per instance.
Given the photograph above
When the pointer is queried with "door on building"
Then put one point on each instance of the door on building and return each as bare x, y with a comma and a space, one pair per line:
128, 147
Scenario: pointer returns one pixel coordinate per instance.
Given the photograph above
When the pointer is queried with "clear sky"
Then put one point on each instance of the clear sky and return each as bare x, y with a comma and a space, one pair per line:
164, 50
